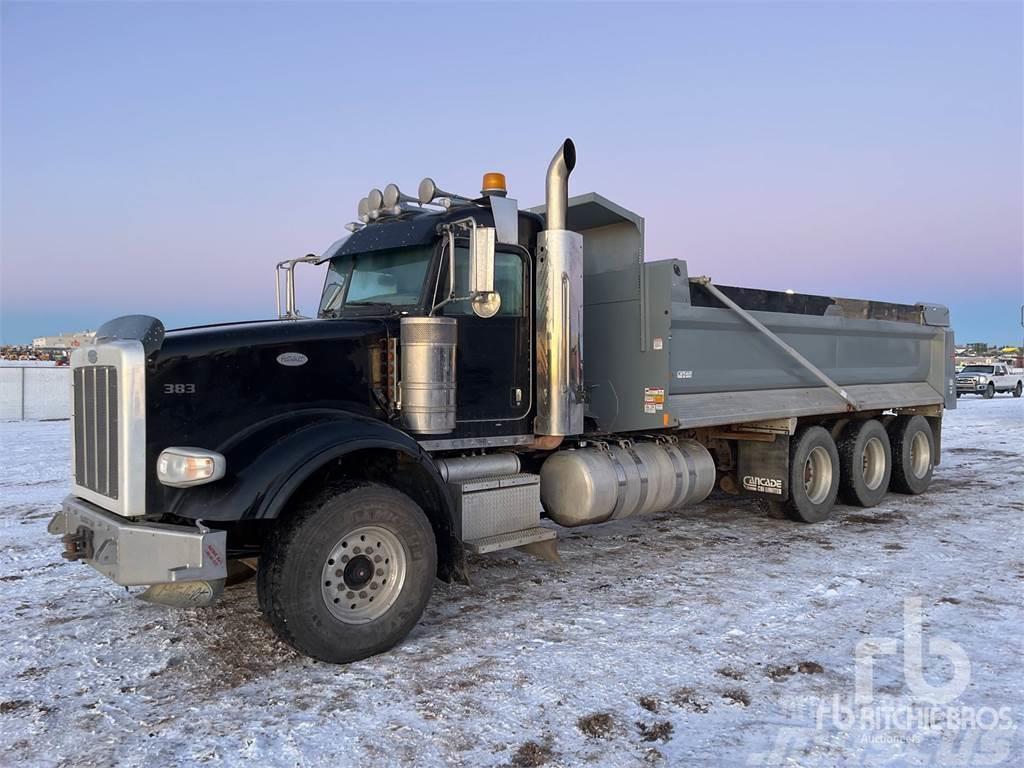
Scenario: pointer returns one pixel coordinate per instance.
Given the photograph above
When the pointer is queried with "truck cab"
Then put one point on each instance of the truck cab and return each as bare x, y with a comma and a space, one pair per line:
403, 268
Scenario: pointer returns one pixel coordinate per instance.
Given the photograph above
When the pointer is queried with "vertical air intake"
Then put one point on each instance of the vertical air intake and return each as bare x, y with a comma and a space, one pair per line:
559, 308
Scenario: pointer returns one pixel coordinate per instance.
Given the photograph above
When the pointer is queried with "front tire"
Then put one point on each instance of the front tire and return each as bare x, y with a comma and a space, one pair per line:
913, 454
349, 572
1018, 389
990, 391
813, 475
865, 463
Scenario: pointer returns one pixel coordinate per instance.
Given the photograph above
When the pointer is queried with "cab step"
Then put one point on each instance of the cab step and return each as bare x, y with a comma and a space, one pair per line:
525, 539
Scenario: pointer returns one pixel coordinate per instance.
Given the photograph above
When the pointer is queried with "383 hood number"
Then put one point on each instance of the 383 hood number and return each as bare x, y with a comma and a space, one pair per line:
179, 389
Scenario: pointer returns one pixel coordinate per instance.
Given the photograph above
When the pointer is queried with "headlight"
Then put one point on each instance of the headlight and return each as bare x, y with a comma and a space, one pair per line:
184, 467
983, 379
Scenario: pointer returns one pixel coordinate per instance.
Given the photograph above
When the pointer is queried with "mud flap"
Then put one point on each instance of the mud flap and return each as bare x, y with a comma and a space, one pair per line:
185, 594
764, 468
545, 550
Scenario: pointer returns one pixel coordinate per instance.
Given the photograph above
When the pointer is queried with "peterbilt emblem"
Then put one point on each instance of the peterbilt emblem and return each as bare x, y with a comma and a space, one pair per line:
292, 359
92, 355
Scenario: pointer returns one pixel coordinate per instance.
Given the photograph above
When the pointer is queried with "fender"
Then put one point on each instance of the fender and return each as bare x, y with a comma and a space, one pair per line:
275, 457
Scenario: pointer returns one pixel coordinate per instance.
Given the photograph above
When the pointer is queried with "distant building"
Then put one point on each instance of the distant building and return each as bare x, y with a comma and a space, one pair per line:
977, 349
1012, 356
64, 341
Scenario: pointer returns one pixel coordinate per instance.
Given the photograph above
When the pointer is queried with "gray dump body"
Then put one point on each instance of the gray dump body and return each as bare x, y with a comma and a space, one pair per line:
660, 350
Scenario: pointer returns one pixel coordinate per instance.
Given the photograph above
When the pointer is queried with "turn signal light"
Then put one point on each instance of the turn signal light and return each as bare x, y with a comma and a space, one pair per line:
184, 467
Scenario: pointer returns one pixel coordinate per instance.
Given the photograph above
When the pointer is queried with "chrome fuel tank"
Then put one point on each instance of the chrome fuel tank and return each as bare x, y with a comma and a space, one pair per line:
595, 484
428, 374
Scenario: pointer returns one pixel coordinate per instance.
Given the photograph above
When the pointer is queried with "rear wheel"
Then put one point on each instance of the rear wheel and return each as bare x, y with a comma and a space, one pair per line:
913, 454
990, 391
865, 463
813, 475
349, 573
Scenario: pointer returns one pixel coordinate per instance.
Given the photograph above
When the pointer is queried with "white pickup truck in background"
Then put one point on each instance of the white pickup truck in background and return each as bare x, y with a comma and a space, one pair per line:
986, 380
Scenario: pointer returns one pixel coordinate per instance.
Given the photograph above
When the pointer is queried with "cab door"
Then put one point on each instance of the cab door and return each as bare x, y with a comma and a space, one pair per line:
494, 355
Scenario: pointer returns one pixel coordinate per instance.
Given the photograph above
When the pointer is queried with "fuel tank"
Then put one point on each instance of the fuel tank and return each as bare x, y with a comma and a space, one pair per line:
600, 483
428, 374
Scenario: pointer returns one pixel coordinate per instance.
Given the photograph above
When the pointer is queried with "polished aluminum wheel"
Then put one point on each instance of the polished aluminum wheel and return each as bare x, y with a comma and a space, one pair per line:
818, 475
920, 455
874, 463
364, 574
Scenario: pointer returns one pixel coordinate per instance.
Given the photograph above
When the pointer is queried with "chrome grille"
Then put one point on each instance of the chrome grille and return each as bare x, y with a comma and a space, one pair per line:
96, 429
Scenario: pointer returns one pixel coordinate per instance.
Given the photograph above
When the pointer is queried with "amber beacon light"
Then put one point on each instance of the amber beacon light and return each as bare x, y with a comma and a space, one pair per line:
494, 184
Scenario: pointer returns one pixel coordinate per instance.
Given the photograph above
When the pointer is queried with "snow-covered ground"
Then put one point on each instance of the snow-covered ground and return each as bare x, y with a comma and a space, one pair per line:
710, 636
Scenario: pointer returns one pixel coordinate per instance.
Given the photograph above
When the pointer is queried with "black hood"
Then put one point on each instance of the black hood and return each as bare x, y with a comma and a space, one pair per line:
219, 338
209, 386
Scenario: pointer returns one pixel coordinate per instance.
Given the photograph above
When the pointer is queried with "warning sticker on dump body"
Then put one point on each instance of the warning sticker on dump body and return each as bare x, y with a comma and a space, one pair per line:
654, 399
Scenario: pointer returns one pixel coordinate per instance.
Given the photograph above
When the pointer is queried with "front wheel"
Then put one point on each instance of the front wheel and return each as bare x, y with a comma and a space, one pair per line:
1018, 389
990, 391
349, 572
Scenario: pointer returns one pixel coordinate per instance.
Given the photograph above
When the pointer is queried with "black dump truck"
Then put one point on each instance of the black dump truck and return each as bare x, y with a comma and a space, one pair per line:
477, 376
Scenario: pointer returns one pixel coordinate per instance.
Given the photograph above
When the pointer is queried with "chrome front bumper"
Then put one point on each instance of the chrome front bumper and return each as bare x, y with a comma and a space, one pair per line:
135, 554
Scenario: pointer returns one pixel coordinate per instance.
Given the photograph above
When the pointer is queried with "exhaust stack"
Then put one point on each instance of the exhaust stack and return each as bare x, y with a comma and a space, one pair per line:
556, 192
559, 308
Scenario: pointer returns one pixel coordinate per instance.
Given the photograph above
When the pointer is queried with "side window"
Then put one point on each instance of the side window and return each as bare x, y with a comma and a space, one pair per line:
508, 282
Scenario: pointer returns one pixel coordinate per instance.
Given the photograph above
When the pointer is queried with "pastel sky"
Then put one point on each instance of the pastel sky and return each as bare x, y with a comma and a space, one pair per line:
160, 158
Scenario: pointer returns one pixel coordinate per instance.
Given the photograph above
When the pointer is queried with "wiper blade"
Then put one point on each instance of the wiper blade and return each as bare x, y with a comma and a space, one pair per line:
360, 307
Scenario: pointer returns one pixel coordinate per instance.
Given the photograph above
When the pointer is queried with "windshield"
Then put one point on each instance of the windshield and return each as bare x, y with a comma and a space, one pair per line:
977, 369
393, 277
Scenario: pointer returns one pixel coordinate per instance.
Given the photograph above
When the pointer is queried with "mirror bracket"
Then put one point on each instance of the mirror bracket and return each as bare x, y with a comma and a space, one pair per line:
484, 300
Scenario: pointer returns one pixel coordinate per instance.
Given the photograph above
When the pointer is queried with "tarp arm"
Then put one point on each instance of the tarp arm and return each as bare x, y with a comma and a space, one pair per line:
818, 373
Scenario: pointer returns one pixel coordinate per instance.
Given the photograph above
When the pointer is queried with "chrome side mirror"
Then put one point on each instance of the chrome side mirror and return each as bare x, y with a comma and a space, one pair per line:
481, 260
291, 312
484, 300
